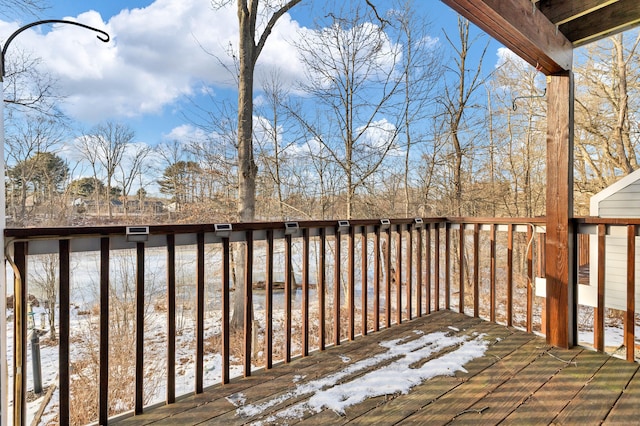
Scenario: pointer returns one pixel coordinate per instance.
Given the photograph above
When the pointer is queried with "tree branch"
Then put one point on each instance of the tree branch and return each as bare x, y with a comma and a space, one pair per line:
272, 22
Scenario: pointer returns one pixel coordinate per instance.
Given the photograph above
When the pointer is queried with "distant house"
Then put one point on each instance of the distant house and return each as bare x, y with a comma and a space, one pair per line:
622, 199
154, 206
173, 207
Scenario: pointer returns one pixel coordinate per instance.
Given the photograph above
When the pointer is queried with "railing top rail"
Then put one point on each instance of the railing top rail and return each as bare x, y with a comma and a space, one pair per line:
107, 230
594, 220
49, 232
499, 220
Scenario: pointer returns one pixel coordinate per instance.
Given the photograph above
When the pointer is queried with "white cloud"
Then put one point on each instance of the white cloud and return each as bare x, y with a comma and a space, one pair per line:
186, 133
156, 55
429, 42
505, 55
378, 134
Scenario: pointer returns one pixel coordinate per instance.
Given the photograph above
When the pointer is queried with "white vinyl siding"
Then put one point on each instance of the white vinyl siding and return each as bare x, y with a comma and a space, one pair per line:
622, 199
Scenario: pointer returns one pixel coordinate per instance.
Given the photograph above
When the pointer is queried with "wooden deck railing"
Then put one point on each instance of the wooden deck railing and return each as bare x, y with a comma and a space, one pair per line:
351, 278
616, 232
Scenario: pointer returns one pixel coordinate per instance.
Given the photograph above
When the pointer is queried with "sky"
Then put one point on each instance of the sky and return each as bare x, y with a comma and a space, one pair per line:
164, 56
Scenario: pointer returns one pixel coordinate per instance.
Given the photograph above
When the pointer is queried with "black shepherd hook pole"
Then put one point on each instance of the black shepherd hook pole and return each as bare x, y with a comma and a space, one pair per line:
515, 107
102, 36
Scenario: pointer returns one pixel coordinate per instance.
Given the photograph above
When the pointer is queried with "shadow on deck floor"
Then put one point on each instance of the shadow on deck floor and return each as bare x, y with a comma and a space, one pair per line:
519, 380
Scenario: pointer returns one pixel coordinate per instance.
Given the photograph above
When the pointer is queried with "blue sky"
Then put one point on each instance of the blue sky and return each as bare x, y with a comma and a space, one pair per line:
161, 57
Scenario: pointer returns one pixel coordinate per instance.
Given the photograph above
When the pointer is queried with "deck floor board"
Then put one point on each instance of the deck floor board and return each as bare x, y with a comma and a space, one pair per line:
519, 380
549, 400
628, 406
599, 395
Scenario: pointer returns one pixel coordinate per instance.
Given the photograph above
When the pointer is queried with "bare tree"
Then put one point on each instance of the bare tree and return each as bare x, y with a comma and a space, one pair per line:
458, 103
422, 67
519, 137
352, 80
431, 156
131, 167
253, 15
28, 89
85, 148
323, 178
274, 136
213, 146
11, 8
171, 152
25, 139
250, 45
606, 139
104, 147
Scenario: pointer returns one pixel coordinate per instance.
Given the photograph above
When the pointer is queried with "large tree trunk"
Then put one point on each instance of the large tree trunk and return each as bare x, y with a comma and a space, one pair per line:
247, 169
249, 51
625, 150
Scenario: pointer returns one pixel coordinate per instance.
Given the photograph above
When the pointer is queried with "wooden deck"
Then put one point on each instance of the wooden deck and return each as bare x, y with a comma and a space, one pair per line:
519, 380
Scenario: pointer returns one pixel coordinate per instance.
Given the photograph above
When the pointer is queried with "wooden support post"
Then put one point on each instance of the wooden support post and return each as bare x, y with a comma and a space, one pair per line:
559, 253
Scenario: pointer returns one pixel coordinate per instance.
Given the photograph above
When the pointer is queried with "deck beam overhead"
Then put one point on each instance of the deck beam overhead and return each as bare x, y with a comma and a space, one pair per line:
544, 32
584, 21
521, 27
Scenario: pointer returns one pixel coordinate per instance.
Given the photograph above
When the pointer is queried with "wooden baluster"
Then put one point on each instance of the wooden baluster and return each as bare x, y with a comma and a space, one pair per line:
492, 274
530, 236
336, 289
103, 408
387, 255
288, 290
436, 266
427, 268
461, 270
248, 303
321, 288
398, 276
598, 326
376, 278
476, 270
364, 272
268, 304
199, 379
409, 280
510, 275
139, 380
305, 292
447, 266
63, 346
351, 283
419, 278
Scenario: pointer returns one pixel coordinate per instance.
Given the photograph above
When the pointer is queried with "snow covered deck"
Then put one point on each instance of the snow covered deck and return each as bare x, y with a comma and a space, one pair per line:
441, 368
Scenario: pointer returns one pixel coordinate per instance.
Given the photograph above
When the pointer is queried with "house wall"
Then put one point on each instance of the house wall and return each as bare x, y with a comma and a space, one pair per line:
622, 199
625, 203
